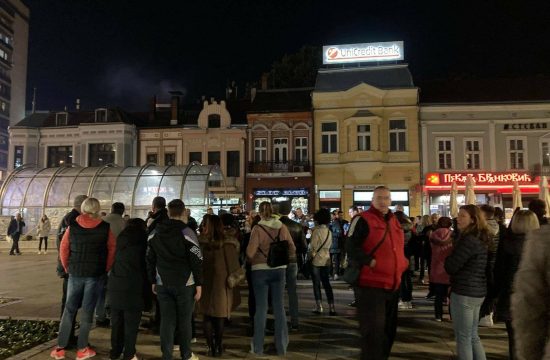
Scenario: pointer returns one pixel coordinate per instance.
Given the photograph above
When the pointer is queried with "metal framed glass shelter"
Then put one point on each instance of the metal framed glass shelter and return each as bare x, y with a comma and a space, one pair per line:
35, 191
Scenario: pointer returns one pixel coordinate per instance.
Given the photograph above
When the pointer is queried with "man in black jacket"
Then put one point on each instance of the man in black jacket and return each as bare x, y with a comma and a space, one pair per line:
299, 239
174, 266
15, 229
158, 214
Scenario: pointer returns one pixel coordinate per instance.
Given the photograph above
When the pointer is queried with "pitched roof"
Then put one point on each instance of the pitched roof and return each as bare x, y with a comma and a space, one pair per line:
282, 100
382, 77
75, 118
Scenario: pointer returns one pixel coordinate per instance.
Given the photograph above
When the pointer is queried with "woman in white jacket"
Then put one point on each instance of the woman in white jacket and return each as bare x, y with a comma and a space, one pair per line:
319, 252
44, 228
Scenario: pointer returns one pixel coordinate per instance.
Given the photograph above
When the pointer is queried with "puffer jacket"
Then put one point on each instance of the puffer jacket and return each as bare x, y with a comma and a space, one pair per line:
531, 298
467, 266
442, 246
506, 266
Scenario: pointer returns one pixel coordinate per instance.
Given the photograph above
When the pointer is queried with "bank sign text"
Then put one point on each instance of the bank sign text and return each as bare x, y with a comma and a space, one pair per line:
370, 52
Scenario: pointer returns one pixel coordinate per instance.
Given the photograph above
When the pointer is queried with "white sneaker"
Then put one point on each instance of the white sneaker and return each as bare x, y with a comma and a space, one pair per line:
193, 340
39, 252
486, 321
193, 357
335, 277
405, 305
45, 252
409, 305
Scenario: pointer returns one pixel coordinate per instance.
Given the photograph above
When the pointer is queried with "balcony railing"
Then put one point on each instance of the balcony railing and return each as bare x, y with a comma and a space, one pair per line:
278, 167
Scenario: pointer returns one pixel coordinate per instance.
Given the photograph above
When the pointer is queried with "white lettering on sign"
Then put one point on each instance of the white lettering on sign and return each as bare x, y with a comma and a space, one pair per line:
370, 52
488, 178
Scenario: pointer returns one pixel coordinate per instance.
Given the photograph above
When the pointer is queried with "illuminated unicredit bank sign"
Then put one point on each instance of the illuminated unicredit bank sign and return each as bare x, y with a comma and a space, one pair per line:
371, 52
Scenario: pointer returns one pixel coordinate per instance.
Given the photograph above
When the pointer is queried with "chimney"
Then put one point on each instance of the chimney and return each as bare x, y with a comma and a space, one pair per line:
265, 76
174, 106
153, 108
77, 105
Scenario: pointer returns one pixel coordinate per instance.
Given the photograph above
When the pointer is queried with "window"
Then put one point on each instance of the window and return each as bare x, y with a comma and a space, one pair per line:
61, 119
398, 132
195, 156
169, 159
363, 137
280, 150
18, 159
472, 153
213, 158
60, 155
101, 154
300, 149
329, 138
516, 149
545, 152
101, 115
213, 121
260, 150
445, 153
233, 164
152, 159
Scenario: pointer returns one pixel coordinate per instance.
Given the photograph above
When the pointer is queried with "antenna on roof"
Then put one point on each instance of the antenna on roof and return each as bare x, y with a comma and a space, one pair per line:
34, 100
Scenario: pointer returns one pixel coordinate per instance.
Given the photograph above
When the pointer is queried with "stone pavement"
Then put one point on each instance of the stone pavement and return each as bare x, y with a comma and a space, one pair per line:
31, 278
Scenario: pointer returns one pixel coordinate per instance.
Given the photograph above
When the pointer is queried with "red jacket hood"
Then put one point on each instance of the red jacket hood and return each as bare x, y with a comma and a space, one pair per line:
86, 221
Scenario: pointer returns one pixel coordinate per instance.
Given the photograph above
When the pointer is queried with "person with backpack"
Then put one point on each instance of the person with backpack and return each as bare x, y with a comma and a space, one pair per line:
174, 267
269, 259
319, 253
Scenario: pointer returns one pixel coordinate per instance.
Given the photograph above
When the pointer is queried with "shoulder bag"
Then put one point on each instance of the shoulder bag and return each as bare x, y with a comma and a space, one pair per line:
236, 277
308, 266
351, 275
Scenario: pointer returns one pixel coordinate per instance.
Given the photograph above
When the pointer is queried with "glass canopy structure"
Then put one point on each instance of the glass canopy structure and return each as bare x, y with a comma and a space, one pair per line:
51, 191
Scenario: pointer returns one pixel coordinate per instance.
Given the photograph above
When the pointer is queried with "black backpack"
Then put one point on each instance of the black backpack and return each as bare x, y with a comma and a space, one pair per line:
278, 250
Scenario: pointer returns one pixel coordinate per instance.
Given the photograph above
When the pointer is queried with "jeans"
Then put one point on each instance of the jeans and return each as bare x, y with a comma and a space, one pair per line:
124, 330
291, 274
465, 313
45, 238
262, 281
335, 261
440, 292
100, 309
377, 313
79, 290
320, 274
15, 244
176, 306
406, 286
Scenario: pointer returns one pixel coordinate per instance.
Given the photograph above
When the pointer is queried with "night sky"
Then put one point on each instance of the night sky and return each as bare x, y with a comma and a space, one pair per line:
120, 53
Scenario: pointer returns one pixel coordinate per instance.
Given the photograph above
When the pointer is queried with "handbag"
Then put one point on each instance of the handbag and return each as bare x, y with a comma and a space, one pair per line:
236, 277
279, 253
353, 271
308, 266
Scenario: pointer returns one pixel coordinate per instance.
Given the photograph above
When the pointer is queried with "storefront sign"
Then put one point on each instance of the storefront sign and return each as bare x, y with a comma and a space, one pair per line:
281, 192
371, 52
526, 126
483, 178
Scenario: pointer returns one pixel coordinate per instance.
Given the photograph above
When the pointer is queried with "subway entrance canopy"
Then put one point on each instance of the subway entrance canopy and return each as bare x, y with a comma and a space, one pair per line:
34, 191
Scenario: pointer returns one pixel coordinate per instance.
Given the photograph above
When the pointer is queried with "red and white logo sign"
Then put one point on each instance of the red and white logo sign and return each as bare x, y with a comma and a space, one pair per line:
332, 53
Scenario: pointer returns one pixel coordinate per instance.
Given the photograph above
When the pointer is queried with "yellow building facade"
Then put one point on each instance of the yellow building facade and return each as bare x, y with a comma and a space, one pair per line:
366, 135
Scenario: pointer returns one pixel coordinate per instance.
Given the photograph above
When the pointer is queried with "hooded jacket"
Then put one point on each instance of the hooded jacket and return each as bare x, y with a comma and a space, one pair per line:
258, 247
174, 257
442, 246
67, 251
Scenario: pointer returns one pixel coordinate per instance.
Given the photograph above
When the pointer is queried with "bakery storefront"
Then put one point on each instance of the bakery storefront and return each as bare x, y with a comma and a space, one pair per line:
494, 188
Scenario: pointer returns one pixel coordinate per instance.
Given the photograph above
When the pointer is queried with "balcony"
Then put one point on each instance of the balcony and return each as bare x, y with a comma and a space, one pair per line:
264, 167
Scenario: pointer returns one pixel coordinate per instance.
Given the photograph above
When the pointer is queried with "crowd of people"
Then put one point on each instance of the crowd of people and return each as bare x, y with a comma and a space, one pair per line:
114, 268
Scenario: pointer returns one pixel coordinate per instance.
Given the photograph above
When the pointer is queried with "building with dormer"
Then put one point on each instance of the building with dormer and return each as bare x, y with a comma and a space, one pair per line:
365, 135
85, 138
210, 133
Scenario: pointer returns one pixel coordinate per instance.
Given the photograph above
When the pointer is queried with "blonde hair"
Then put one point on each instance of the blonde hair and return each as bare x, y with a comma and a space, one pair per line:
426, 220
524, 221
91, 207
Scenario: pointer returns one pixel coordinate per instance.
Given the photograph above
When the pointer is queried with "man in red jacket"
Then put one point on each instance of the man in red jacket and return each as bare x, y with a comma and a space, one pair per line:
376, 245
